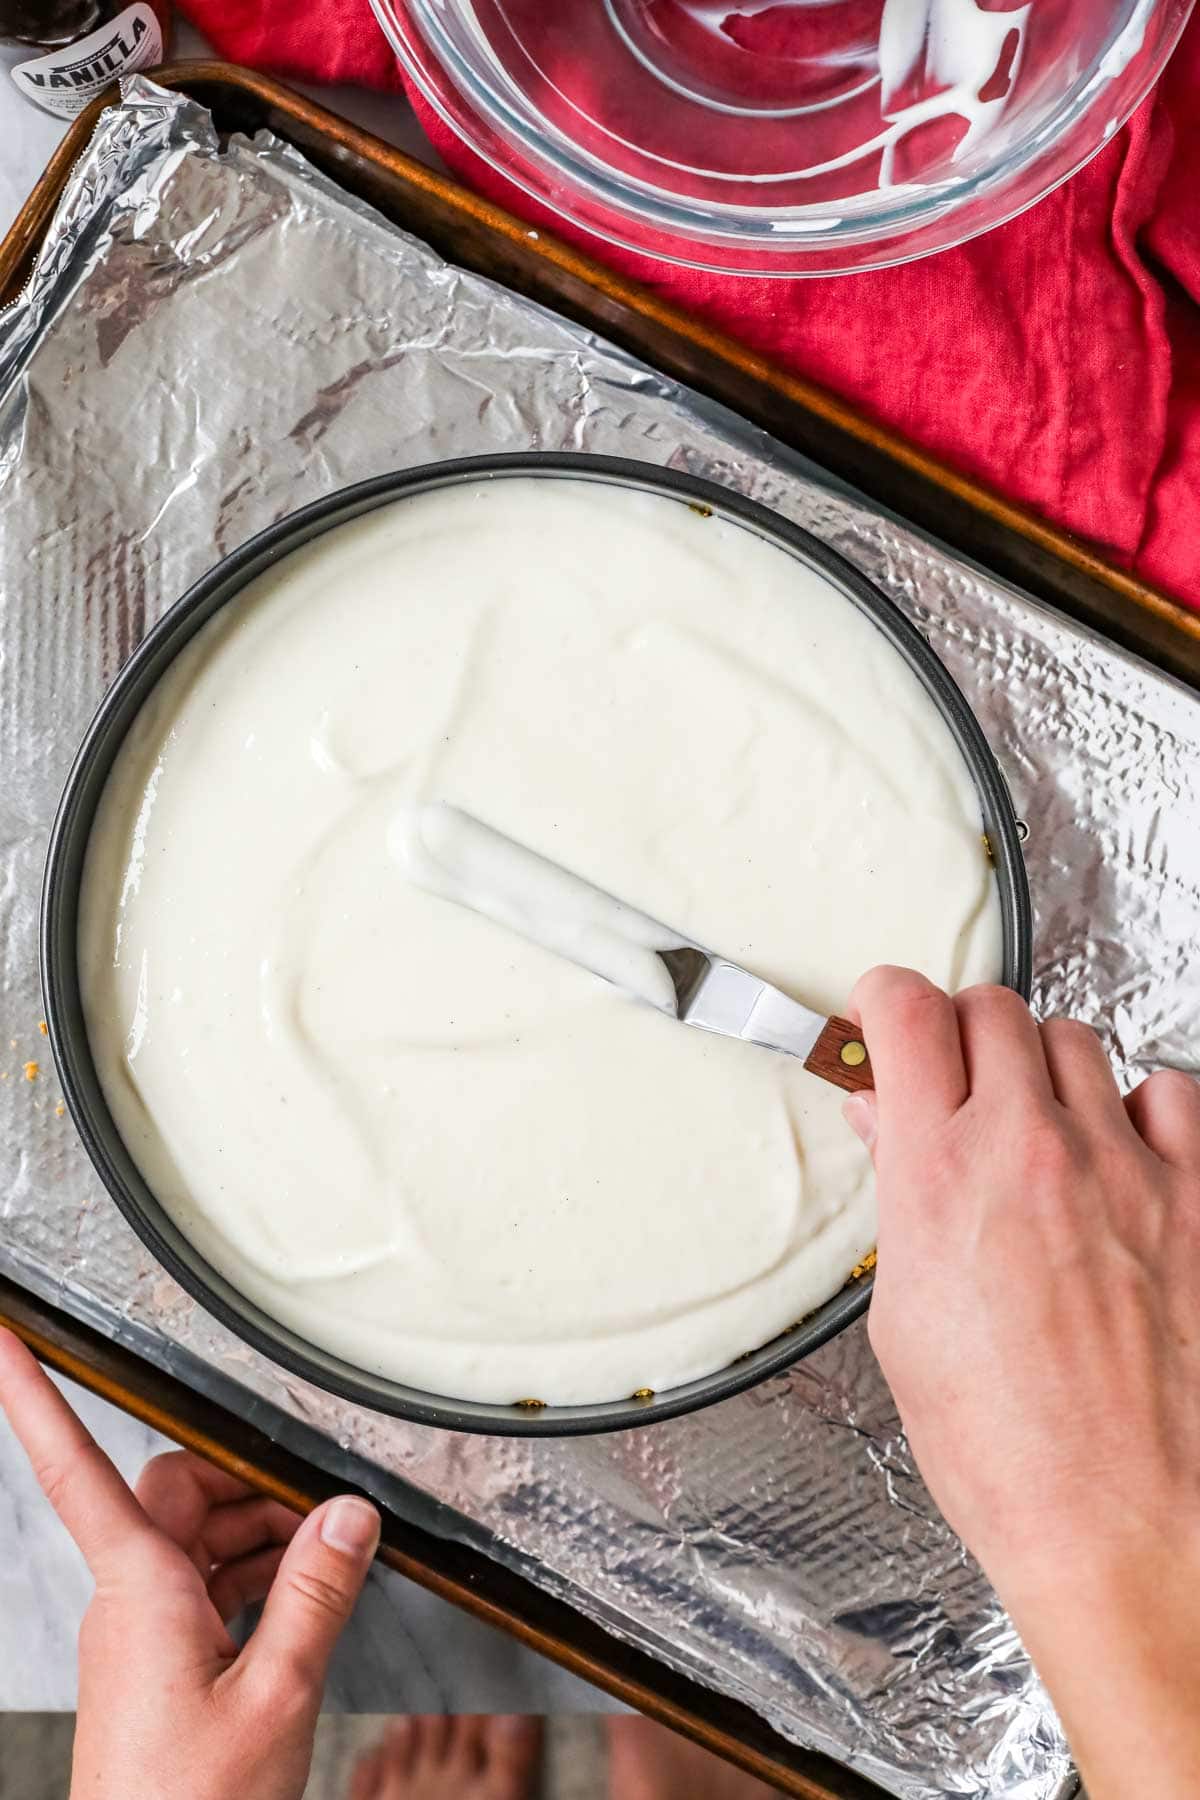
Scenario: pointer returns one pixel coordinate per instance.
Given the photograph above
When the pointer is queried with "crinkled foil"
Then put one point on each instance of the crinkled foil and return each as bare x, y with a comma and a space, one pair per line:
216, 335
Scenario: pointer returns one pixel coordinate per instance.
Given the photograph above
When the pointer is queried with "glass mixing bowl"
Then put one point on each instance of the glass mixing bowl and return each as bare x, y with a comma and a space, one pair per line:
784, 137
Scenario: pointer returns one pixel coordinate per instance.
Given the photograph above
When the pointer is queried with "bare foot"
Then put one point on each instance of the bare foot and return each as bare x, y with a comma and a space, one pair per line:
442, 1758
648, 1762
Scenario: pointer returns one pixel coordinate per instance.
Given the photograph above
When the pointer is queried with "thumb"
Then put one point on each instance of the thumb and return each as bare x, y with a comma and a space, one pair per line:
861, 1113
314, 1591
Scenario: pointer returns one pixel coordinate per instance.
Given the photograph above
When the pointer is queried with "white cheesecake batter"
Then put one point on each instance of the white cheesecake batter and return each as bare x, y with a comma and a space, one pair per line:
418, 1139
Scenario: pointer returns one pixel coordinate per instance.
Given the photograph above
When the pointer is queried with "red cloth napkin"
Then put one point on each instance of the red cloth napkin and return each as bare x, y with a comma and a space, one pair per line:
1056, 358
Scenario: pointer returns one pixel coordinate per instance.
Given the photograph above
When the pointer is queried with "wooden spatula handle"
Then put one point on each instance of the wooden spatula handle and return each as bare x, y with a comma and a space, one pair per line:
840, 1056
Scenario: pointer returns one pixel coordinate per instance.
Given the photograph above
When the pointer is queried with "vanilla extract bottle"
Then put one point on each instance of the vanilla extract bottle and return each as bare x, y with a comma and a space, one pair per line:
77, 47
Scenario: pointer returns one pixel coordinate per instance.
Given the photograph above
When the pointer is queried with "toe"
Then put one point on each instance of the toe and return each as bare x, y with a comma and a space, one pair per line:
465, 1752
511, 1749
399, 1751
365, 1783
437, 1730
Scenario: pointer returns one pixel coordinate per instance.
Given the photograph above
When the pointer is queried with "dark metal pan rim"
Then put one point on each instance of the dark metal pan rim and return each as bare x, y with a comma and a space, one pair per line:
60, 898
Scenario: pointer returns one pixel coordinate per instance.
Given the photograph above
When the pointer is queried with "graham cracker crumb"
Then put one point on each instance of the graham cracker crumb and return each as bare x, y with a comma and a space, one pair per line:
31, 1071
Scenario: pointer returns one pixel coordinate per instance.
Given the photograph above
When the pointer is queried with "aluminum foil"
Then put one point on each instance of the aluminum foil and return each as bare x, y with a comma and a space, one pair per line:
215, 335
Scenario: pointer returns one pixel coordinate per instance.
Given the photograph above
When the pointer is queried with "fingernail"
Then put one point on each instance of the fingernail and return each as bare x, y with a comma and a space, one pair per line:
512, 1725
860, 1115
351, 1526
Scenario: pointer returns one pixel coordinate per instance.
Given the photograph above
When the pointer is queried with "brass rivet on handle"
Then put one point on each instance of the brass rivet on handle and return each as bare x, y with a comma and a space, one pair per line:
854, 1054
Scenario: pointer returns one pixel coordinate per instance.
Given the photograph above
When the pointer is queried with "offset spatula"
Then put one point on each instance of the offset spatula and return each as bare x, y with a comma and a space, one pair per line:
455, 855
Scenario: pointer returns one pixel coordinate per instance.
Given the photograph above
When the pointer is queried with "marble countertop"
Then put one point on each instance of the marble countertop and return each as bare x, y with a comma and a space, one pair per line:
405, 1650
